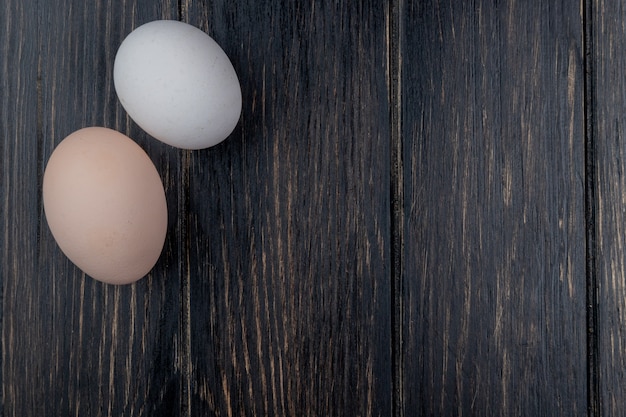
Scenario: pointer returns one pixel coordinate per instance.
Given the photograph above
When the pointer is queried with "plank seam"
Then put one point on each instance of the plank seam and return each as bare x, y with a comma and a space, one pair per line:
185, 290
185, 280
397, 203
594, 405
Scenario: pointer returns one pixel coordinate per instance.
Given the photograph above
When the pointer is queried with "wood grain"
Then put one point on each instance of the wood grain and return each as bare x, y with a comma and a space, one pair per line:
609, 134
494, 284
73, 346
397, 224
289, 218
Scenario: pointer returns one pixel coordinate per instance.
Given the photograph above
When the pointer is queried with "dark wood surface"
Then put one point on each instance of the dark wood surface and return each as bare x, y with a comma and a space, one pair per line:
495, 277
73, 346
289, 219
609, 41
419, 213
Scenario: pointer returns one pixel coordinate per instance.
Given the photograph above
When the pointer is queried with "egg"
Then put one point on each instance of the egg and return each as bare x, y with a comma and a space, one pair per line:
177, 84
105, 205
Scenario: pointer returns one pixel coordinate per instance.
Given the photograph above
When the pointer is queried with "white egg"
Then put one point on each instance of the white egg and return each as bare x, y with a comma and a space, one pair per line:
177, 84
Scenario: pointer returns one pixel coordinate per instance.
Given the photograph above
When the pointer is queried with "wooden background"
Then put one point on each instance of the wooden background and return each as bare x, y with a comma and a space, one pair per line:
421, 212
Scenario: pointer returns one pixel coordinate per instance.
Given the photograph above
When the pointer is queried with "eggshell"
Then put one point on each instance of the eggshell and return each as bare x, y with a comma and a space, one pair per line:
105, 205
177, 84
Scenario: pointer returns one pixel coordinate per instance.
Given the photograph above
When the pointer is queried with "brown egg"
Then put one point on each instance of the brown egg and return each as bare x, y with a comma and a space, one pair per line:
105, 205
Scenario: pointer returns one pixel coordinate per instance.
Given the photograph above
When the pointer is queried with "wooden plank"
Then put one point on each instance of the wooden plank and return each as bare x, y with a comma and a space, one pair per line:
289, 217
494, 254
73, 346
18, 175
609, 136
